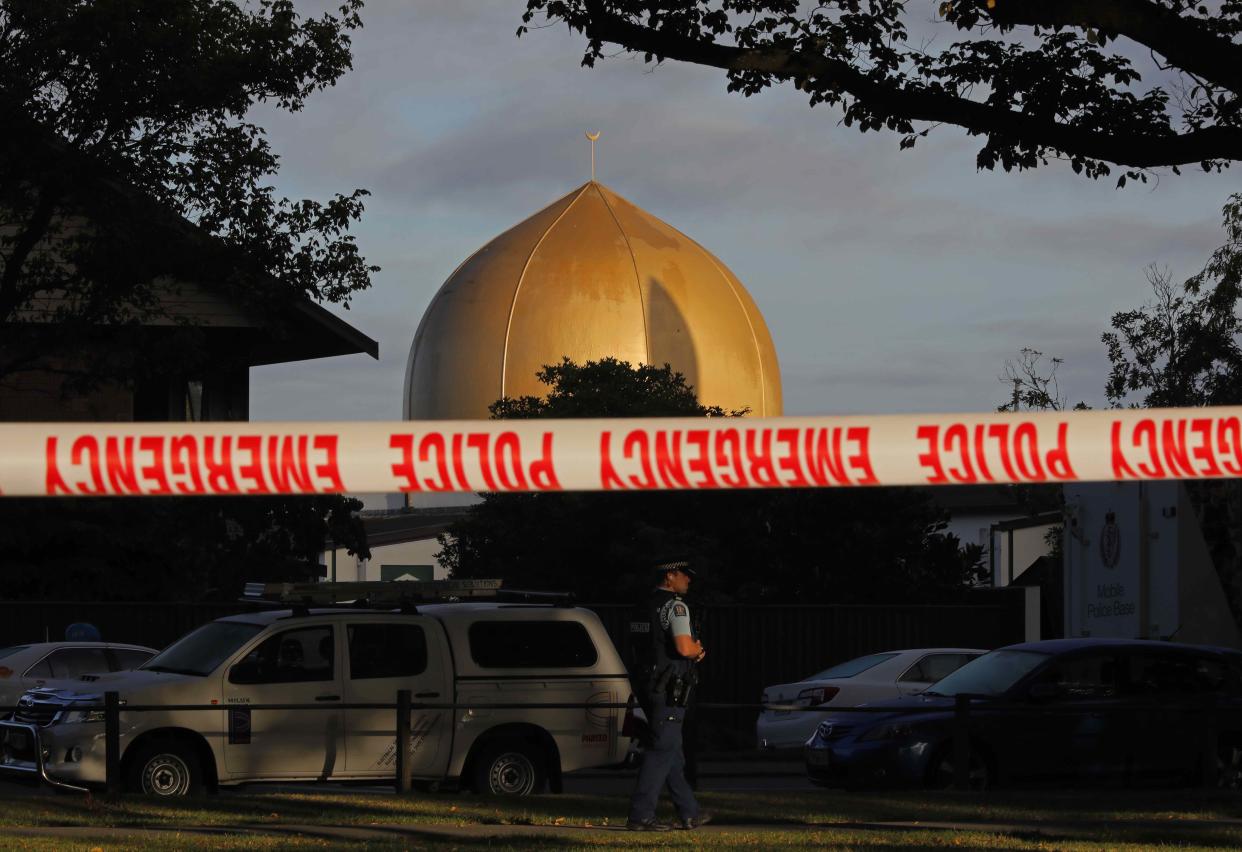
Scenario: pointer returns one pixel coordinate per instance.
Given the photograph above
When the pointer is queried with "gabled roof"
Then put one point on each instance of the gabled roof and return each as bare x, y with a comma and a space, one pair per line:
324, 335
410, 525
309, 330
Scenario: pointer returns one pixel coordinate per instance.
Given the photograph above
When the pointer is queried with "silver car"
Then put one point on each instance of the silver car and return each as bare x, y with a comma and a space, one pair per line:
55, 665
875, 677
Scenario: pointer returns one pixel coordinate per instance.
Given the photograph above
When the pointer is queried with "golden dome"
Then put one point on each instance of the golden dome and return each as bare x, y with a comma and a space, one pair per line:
587, 277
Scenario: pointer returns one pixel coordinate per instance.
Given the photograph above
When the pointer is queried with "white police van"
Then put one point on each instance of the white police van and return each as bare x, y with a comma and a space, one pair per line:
483, 647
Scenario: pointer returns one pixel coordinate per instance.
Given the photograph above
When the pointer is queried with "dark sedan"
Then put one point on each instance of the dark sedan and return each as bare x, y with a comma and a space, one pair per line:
1054, 711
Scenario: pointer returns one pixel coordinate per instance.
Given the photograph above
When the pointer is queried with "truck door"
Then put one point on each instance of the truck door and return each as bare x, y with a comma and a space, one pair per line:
409, 652
295, 666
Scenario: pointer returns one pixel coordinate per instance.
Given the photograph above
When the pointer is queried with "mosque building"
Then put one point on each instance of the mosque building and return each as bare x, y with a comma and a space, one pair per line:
591, 275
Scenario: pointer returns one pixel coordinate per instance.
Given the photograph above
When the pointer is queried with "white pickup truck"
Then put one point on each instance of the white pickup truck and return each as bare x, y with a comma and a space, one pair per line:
469, 654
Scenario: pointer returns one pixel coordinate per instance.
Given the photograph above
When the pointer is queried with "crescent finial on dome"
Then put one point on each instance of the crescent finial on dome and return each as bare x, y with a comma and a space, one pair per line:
594, 137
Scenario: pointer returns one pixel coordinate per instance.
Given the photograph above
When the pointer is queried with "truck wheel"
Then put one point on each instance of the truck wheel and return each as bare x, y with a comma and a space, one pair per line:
165, 768
1229, 766
509, 768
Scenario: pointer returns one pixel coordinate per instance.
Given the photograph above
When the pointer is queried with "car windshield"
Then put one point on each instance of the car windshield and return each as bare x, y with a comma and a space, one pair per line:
201, 652
990, 674
853, 667
4, 652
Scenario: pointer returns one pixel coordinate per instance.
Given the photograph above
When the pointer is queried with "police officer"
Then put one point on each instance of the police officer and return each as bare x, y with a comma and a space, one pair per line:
666, 650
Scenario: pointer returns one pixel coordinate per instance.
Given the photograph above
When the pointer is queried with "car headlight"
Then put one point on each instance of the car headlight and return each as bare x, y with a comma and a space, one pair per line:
888, 731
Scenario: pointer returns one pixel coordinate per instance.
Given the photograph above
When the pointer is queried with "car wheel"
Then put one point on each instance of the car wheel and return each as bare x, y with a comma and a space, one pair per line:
166, 769
1229, 767
509, 768
941, 770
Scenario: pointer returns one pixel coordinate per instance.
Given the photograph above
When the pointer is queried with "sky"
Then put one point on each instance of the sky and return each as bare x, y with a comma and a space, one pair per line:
891, 281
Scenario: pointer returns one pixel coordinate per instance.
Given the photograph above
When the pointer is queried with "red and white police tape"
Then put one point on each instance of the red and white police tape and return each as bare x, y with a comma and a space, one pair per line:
640, 454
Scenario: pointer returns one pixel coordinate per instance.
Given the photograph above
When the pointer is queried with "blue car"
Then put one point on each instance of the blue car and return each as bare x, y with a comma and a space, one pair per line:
1062, 710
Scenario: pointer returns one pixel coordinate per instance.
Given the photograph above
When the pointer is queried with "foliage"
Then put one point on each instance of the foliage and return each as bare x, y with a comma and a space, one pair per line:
1034, 383
761, 546
154, 548
1038, 79
1182, 348
608, 388
128, 168
1179, 350
1032, 380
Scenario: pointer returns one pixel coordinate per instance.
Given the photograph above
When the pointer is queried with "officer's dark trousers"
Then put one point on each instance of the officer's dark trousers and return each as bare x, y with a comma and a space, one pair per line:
663, 765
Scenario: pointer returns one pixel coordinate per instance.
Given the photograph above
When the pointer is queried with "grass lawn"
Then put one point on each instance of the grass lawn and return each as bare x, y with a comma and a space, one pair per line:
256, 818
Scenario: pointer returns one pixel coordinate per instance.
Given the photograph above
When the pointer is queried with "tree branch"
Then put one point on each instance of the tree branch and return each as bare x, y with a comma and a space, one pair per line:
34, 230
1209, 143
1184, 42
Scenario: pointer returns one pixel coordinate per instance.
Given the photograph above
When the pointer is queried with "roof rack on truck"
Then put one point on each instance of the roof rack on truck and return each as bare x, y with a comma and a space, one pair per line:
387, 594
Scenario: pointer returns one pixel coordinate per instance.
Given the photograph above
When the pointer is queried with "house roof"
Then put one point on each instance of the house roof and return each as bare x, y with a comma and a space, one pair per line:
317, 333
298, 329
410, 524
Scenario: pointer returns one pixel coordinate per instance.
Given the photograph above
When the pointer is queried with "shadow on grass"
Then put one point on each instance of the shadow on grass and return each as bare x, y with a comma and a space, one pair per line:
1151, 814
1024, 804
1142, 833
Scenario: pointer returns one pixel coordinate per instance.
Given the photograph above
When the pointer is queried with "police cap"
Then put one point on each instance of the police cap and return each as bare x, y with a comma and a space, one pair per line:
678, 564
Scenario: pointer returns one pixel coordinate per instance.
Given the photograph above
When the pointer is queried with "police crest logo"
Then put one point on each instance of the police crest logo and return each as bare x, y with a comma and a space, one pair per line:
679, 610
1110, 541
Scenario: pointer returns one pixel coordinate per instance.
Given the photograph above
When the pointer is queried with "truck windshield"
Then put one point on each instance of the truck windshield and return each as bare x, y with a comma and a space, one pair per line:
990, 674
201, 652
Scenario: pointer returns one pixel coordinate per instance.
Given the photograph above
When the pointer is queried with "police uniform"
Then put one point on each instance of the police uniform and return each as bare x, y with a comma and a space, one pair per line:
664, 681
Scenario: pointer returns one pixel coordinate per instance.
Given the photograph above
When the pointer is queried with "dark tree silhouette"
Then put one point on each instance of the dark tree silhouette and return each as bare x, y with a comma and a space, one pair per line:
1037, 79
814, 546
166, 549
1182, 348
128, 167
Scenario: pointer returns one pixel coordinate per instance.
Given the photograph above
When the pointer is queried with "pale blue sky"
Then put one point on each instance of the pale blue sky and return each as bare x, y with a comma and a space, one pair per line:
891, 281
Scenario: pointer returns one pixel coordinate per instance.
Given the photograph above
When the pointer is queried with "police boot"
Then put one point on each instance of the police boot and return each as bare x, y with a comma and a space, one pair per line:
652, 824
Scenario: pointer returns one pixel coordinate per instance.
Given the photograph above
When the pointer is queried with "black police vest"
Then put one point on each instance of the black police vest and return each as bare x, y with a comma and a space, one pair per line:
651, 645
